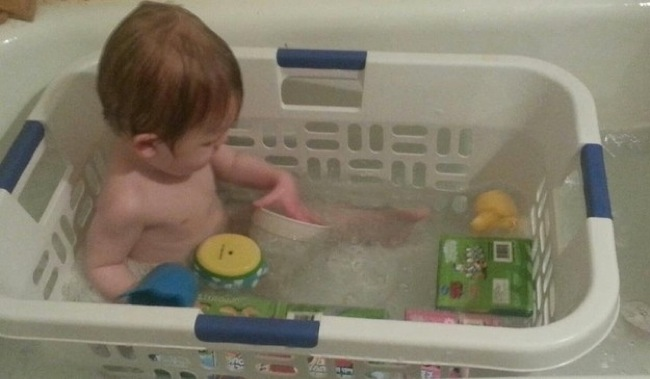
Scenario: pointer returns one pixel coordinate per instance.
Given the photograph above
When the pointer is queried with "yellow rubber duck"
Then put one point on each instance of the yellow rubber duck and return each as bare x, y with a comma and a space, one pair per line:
495, 210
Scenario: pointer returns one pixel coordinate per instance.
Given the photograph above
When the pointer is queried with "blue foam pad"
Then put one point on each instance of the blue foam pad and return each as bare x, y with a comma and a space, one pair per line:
169, 284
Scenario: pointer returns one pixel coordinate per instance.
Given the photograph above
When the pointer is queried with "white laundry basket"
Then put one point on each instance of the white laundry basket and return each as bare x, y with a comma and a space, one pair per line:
415, 120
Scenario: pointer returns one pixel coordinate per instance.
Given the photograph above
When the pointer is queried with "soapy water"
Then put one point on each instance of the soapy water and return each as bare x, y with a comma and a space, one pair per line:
350, 274
389, 263
637, 313
624, 143
387, 260
364, 272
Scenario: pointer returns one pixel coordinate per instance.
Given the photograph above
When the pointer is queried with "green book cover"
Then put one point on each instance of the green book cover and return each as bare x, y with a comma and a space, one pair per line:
236, 304
486, 275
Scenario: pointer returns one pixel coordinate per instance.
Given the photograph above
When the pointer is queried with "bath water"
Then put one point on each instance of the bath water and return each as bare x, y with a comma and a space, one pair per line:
366, 271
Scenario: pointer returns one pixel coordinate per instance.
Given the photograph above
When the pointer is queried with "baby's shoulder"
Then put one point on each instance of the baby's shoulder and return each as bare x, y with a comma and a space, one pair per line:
120, 197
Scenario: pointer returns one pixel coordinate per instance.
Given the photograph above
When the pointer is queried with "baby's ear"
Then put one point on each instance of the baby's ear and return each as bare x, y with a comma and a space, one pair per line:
146, 144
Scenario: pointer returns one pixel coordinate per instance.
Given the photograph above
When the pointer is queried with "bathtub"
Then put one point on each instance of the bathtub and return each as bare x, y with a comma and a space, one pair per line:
603, 43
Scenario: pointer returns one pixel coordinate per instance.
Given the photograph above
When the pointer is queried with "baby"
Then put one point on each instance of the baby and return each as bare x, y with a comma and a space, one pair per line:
170, 89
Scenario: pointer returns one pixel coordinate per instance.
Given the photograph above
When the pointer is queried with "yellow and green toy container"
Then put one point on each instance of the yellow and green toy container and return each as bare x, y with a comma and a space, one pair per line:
229, 261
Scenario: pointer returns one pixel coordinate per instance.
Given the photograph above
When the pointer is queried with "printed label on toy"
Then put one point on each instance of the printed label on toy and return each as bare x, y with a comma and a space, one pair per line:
485, 275
315, 312
433, 371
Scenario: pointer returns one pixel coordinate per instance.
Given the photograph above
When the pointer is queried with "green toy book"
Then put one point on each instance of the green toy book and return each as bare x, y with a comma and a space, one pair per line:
485, 275
236, 304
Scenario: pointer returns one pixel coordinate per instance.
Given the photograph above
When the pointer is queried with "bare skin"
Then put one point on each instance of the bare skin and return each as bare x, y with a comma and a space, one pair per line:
156, 205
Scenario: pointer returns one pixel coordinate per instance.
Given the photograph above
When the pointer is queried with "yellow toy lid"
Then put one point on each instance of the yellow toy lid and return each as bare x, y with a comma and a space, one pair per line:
229, 255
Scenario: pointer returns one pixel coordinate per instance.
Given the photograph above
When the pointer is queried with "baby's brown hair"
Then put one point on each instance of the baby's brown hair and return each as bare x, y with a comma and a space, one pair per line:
163, 71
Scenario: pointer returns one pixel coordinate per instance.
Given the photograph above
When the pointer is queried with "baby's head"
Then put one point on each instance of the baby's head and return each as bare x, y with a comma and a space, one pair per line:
163, 71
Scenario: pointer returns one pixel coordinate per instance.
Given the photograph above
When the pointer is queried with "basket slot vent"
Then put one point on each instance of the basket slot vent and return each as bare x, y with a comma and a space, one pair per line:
376, 140
410, 130
77, 194
535, 253
37, 274
402, 154
541, 205
100, 350
68, 230
465, 143
99, 162
322, 127
51, 282
533, 224
92, 179
358, 179
314, 169
241, 141
122, 370
323, 144
538, 320
322, 92
409, 148
333, 169
551, 298
541, 236
443, 142
355, 137
127, 352
538, 291
283, 160
398, 173
546, 316
162, 374
547, 260
59, 247
366, 164
419, 175
269, 141
290, 141
452, 168
83, 212
450, 185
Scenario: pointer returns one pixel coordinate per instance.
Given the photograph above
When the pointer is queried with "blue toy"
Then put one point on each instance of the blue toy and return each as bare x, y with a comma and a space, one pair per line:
170, 284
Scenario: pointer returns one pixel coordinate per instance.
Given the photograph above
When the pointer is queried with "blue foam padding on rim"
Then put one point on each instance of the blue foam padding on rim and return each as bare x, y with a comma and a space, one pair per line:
257, 331
595, 181
20, 153
322, 59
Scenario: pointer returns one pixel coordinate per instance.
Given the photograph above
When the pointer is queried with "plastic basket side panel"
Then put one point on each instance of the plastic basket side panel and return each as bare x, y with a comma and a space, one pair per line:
423, 122
126, 361
21, 246
76, 120
451, 90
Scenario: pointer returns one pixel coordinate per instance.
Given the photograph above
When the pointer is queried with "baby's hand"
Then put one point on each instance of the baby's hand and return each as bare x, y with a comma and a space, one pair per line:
284, 198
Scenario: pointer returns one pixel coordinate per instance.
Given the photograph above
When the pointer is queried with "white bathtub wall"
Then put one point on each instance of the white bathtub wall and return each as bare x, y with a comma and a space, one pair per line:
605, 43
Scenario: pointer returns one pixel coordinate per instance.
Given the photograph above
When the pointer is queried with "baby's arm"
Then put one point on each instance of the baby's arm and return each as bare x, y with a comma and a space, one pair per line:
112, 234
249, 171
